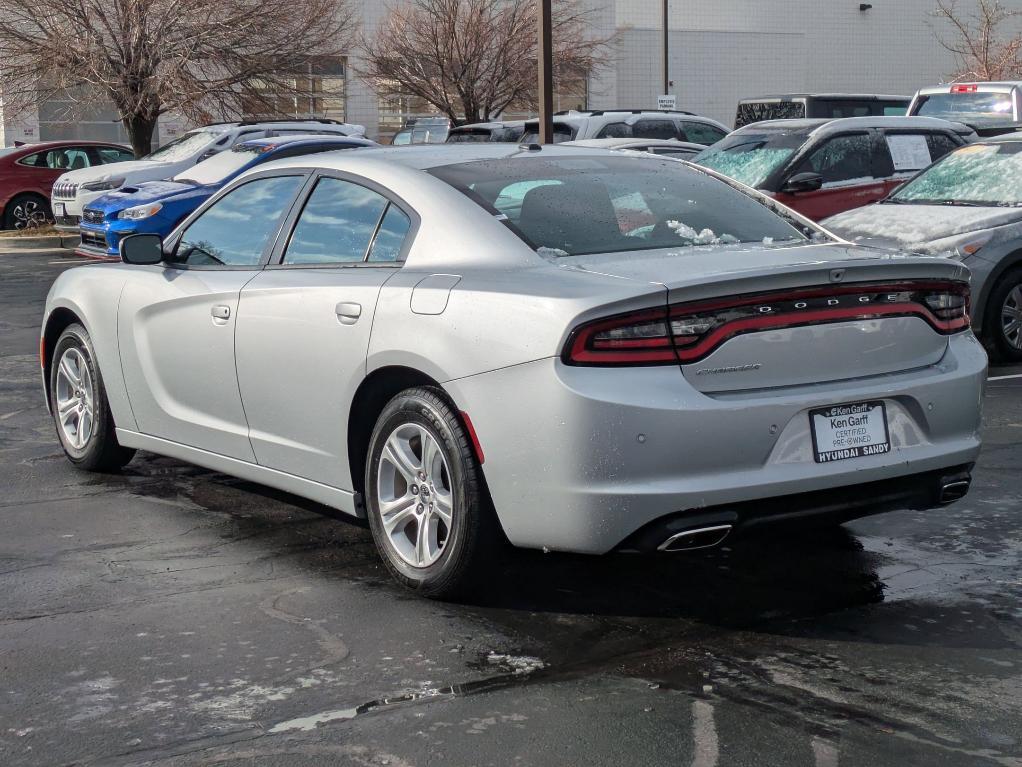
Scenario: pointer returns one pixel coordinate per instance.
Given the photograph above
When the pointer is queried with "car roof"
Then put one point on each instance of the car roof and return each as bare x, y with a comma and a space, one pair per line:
624, 143
824, 126
834, 96
41, 145
1003, 138
427, 156
311, 137
992, 85
578, 119
491, 125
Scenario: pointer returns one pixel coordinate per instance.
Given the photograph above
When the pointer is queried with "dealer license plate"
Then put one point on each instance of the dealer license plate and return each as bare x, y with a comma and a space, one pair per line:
849, 431
59, 210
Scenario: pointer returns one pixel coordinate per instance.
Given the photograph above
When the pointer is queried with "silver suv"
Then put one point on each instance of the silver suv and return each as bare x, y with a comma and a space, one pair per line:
630, 123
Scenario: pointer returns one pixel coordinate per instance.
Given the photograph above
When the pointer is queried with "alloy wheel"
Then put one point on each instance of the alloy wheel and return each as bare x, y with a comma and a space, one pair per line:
28, 215
1011, 317
76, 399
416, 501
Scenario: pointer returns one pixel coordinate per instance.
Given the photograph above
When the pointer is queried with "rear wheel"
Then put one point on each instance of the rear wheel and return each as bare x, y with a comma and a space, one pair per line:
428, 510
1003, 325
81, 412
26, 211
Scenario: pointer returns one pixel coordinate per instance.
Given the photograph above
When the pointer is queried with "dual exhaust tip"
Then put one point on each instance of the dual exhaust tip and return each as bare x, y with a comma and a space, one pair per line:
696, 538
950, 489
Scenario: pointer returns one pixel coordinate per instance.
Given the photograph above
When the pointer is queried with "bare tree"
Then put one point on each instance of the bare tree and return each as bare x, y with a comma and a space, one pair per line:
987, 43
471, 59
201, 58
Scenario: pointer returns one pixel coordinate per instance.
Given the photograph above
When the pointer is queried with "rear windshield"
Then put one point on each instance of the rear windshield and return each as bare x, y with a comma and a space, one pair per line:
982, 109
758, 111
575, 206
184, 147
220, 166
978, 174
476, 135
753, 155
562, 132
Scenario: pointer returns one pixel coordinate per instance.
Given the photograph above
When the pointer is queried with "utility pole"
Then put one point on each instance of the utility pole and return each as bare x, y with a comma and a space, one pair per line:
546, 75
667, 77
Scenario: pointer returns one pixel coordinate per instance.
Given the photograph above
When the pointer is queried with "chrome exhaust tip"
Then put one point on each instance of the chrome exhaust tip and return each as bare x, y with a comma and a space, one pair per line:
696, 538
953, 491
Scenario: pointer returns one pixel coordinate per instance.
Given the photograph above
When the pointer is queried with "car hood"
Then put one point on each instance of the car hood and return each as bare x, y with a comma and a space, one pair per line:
913, 226
147, 192
695, 272
132, 170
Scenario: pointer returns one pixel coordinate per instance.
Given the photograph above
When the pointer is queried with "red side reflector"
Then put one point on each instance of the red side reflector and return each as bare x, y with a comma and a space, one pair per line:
964, 88
474, 437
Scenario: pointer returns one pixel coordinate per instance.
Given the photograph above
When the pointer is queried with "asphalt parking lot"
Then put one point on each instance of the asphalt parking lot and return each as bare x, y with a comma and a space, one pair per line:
174, 616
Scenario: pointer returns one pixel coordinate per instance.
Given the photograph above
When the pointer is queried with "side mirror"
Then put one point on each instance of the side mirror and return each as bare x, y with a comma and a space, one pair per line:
803, 182
141, 249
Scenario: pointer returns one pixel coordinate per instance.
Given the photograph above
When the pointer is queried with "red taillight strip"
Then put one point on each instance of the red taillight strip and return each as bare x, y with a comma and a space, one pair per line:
584, 349
718, 336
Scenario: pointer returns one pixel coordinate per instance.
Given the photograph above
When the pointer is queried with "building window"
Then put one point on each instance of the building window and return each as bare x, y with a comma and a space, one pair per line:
320, 91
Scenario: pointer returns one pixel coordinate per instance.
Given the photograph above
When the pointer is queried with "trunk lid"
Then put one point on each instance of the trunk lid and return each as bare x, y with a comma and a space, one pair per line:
818, 291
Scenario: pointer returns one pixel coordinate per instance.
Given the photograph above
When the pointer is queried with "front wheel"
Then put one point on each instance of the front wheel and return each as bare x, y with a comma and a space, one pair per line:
80, 409
1003, 323
428, 509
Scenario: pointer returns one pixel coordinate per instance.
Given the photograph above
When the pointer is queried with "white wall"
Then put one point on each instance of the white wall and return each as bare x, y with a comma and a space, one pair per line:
724, 50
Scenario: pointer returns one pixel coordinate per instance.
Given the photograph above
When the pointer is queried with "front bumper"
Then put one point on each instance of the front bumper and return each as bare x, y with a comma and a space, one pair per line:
579, 459
73, 207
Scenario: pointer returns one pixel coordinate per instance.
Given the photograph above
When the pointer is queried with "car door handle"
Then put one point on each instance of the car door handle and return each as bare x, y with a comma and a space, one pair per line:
221, 312
348, 312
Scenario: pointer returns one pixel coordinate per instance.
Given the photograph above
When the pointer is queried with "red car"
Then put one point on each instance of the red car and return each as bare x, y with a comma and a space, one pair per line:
27, 173
825, 167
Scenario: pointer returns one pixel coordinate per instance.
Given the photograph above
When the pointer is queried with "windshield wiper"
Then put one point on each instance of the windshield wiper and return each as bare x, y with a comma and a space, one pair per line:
896, 201
191, 181
962, 204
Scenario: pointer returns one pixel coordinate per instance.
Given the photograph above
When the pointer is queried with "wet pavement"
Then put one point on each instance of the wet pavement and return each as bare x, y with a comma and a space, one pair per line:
173, 616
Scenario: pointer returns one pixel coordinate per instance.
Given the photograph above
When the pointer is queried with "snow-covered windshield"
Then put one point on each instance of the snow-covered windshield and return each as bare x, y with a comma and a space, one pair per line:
750, 157
984, 109
577, 206
220, 166
184, 147
979, 174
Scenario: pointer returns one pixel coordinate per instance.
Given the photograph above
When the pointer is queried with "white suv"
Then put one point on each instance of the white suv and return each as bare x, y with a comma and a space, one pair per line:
75, 189
630, 123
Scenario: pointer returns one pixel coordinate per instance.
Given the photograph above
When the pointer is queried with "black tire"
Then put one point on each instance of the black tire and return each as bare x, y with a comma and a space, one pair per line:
100, 452
474, 539
997, 343
23, 209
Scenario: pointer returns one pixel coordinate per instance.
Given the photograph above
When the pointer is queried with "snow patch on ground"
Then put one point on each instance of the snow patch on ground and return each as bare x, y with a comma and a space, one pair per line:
516, 664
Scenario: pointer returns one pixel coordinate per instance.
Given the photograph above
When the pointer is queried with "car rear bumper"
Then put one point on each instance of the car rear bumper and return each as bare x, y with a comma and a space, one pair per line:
579, 459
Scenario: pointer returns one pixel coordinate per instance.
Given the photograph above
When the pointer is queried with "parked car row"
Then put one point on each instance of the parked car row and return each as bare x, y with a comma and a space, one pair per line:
77, 188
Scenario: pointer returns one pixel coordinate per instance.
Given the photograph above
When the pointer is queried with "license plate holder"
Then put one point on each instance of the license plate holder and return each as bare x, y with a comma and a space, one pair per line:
59, 209
851, 430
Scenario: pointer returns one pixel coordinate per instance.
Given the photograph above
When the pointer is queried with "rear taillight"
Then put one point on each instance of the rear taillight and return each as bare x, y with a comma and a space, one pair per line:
686, 333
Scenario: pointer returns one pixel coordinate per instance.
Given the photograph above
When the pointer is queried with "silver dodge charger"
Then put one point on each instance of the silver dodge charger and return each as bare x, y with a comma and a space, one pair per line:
561, 348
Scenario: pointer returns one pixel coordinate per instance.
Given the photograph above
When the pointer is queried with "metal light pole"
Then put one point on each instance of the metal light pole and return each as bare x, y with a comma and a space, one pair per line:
667, 78
546, 75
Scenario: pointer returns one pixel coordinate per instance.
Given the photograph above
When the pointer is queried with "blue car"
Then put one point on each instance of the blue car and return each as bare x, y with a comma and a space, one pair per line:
156, 207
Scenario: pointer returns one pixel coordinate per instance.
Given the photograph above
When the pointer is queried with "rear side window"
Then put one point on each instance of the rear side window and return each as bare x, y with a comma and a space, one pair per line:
390, 237
112, 154
701, 133
237, 228
337, 224
841, 160
657, 129
909, 152
940, 144
615, 130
